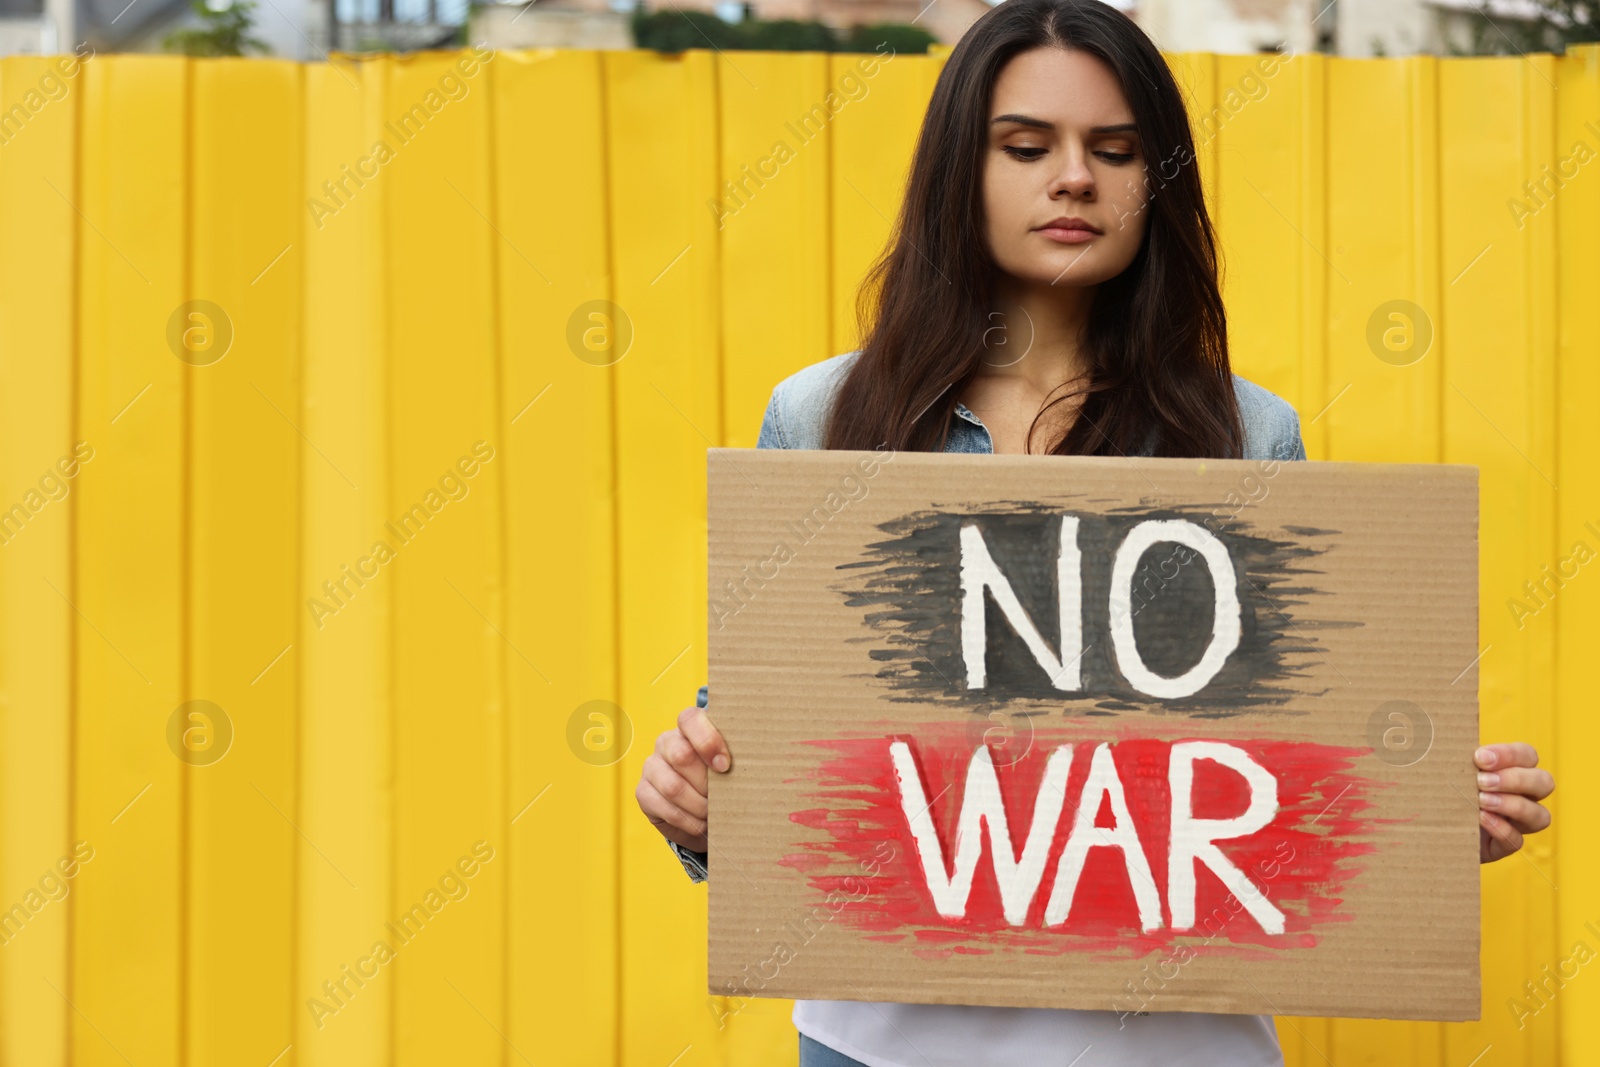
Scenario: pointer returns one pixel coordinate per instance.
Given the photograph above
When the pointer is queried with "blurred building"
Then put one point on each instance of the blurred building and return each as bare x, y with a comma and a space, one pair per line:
1341, 27
565, 23
1240, 26
1433, 27
391, 25
35, 27
293, 29
309, 29
121, 26
1358, 28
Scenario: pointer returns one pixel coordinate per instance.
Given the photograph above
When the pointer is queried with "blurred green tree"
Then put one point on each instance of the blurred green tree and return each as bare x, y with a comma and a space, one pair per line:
222, 32
673, 30
1553, 25
787, 35
903, 39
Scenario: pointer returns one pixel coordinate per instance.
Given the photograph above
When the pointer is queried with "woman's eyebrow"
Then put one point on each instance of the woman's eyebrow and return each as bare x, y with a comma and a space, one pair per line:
1023, 120
1028, 120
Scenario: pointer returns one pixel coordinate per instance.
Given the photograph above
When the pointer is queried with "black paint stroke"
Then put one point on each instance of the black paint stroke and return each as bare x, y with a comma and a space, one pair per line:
910, 588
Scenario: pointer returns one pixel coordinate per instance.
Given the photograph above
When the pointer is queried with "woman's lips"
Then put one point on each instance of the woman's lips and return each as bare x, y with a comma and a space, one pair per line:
1067, 235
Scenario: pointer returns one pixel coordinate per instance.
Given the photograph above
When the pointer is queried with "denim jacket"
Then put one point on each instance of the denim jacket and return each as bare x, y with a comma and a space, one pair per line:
797, 414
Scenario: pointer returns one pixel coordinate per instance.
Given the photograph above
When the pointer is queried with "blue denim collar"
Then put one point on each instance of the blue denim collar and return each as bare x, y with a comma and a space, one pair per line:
978, 439
966, 413
970, 434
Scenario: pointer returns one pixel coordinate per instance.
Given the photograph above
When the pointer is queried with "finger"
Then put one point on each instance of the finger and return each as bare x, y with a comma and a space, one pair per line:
1508, 754
1526, 815
675, 748
678, 837
674, 787
659, 808
1535, 782
1503, 832
705, 738
646, 802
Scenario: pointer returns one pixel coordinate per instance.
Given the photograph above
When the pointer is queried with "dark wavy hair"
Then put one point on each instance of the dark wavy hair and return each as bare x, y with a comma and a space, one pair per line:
1156, 337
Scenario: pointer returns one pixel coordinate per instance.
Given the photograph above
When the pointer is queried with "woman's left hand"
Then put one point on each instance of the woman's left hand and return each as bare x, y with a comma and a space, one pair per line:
1510, 786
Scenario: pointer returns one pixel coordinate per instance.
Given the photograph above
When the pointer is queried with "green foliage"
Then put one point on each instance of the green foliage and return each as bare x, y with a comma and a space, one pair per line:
672, 30
902, 39
1556, 24
223, 32
787, 35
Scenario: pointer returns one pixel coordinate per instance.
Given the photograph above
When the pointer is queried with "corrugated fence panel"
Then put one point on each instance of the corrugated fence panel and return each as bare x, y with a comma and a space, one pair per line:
1383, 241
36, 622
873, 139
126, 986
446, 522
1196, 74
244, 494
430, 532
345, 792
1498, 312
776, 119
564, 797
1575, 1018
662, 133
1269, 217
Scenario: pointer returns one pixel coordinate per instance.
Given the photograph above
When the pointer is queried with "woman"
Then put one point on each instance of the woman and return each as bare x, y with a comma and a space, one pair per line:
1052, 287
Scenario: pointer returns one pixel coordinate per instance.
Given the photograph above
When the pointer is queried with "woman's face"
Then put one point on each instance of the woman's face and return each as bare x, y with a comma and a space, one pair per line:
1062, 145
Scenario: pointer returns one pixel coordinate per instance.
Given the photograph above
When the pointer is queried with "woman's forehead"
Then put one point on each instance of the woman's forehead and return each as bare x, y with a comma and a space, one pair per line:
1059, 85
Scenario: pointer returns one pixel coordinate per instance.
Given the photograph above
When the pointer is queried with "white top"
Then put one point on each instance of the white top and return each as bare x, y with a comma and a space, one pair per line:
938, 1035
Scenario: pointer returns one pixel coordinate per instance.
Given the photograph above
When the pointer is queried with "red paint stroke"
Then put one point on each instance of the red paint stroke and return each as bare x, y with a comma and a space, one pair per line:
1301, 861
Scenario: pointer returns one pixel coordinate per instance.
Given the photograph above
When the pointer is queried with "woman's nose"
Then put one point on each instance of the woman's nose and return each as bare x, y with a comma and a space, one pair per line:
1074, 180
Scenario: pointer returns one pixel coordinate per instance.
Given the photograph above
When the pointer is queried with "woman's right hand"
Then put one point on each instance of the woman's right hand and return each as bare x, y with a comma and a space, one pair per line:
672, 785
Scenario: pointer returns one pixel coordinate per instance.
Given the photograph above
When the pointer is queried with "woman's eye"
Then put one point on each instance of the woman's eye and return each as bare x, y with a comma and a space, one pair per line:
1028, 154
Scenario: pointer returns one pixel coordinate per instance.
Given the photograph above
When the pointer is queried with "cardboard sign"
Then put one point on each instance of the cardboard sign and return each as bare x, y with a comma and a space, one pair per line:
1125, 735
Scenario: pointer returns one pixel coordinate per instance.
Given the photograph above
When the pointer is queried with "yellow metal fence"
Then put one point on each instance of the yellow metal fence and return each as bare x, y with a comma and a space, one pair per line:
403, 856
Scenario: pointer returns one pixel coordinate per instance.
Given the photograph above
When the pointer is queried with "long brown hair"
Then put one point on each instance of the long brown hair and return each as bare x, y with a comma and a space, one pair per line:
1156, 335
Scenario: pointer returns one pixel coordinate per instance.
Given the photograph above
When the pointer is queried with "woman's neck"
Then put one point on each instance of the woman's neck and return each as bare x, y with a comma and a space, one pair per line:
1035, 335
1034, 350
